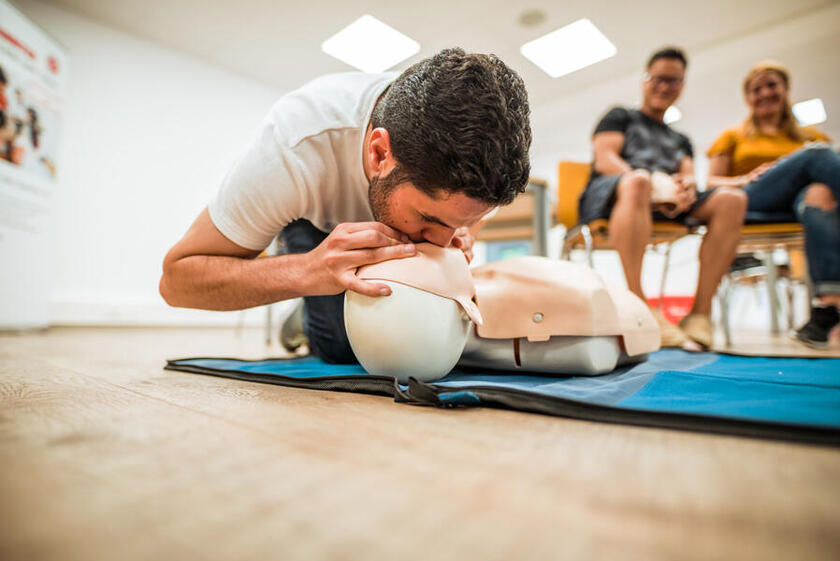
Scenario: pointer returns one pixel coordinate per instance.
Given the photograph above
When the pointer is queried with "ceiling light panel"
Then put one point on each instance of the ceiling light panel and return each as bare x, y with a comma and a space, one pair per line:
672, 115
370, 45
569, 48
810, 112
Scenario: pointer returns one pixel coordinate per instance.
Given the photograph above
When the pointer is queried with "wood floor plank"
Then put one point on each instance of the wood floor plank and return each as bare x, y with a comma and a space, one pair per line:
105, 456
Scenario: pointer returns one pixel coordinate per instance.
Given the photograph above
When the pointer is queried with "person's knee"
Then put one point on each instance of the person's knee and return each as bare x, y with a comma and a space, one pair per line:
635, 188
730, 203
819, 152
818, 195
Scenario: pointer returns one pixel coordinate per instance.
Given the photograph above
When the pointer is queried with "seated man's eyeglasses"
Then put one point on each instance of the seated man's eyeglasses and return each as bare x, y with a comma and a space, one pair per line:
670, 81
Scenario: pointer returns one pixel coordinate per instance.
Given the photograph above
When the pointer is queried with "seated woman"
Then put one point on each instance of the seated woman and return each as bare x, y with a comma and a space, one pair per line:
783, 170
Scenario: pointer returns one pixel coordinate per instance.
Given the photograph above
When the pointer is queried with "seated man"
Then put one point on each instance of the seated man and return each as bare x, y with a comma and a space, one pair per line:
629, 146
352, 168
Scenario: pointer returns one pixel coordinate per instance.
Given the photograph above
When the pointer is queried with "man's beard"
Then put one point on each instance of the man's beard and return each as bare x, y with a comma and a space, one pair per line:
378, 197
379, 194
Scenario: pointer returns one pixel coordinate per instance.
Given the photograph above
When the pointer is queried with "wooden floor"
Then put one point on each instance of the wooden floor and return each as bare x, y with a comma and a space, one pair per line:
104, 455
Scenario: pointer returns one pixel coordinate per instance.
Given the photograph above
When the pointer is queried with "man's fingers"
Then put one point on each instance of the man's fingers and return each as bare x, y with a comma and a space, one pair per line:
369, 256
364, 239
354, 283
352, 227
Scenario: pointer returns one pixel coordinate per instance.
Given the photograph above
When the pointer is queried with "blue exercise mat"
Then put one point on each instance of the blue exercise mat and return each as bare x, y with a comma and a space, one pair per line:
785, 398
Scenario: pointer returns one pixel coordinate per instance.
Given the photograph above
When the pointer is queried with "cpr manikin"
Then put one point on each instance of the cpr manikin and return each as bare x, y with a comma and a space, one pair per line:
420, 329
544, 315
534, 314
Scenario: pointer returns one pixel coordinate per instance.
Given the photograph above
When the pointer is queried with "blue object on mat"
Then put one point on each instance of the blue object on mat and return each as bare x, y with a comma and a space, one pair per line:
788, 398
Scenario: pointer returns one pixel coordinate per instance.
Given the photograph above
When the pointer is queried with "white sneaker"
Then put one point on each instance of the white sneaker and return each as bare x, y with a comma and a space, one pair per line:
291, 328
672, 336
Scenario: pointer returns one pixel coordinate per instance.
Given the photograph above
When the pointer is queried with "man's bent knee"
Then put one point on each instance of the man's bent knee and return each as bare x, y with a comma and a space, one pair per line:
726, 203
635, 187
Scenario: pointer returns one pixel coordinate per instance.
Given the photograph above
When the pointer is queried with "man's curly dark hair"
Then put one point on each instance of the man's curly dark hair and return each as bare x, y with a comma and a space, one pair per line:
459, 122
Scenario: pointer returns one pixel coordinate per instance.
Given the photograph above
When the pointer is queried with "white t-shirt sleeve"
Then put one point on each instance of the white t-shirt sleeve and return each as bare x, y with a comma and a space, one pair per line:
261, 194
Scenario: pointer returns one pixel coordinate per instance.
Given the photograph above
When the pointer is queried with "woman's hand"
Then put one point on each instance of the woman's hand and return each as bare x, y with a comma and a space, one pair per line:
748, 178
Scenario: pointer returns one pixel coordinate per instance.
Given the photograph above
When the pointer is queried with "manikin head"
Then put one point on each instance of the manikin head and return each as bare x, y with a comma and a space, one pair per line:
664, 78
447, 142
420, 329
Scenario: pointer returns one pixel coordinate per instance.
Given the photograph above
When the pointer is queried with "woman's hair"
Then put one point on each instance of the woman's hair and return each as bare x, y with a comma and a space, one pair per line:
788, 124
459, 122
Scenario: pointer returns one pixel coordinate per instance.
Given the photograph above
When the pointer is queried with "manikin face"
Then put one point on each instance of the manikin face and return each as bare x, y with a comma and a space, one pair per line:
663, 83
766, 94
421, 217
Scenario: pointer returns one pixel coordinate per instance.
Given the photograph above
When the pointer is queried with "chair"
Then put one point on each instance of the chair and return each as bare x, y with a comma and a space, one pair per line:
572, 178
761, 235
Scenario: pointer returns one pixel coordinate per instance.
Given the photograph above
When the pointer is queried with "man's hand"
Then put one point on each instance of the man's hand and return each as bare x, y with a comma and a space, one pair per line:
686, 191
331, 267
464, 240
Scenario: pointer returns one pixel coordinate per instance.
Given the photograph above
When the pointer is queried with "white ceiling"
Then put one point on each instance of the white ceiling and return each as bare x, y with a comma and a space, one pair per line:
278, 43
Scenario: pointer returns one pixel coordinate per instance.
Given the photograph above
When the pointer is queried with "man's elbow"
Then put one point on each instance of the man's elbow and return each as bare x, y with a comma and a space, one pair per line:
169, 296
167, 291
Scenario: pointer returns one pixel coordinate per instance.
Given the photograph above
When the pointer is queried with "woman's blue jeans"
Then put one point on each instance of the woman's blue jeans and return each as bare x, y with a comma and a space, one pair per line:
782, 189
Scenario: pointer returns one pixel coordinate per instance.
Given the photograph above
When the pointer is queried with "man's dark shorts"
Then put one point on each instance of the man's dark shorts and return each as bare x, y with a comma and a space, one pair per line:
598, 199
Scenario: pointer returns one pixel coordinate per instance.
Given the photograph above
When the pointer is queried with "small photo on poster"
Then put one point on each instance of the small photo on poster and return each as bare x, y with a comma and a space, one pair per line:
28, 126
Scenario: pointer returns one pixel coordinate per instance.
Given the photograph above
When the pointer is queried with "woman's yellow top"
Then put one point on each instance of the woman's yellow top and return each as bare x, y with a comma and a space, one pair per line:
748, 152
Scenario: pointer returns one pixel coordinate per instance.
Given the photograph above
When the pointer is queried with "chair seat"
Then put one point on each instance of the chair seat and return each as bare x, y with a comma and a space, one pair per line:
754, 217
662, 232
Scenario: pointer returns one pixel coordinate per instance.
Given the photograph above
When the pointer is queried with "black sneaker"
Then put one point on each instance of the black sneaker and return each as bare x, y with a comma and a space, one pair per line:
815, 332
291, 330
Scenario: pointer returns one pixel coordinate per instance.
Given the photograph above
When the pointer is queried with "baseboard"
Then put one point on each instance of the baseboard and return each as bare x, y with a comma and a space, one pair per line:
150, 313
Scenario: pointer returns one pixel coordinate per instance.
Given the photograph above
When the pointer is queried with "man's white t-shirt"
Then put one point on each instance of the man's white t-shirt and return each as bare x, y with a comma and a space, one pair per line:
306, 162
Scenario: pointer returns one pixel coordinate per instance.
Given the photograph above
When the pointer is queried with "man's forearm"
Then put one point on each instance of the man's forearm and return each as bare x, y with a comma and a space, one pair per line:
611, 163
211, 282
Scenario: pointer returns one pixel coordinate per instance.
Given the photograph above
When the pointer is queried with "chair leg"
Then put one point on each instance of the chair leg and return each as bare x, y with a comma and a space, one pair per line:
664, 274
273, 249
724, 294
772, 295
566, 247
588, 244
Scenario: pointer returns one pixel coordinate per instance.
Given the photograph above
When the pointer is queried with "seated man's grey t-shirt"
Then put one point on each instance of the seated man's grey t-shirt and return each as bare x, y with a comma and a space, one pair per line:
648, 144
305, 162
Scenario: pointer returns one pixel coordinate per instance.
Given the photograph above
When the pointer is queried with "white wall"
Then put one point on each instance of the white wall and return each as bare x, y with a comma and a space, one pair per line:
149, 134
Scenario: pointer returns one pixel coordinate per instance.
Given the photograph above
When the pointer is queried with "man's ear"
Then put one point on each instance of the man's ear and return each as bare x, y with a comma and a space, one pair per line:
378, 152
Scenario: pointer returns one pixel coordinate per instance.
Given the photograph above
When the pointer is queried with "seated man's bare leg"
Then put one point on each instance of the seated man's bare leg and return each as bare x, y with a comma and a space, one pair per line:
723, 212
631, 225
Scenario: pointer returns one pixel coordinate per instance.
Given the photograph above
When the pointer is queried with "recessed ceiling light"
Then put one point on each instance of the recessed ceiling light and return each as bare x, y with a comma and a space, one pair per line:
810, 112
370, 45
569, 48
672, 115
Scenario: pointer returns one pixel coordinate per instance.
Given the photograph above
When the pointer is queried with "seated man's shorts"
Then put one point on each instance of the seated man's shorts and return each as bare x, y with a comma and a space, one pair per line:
599, 197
